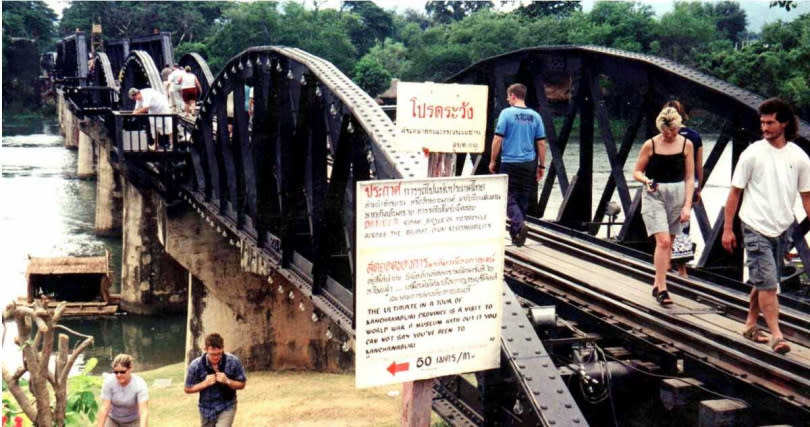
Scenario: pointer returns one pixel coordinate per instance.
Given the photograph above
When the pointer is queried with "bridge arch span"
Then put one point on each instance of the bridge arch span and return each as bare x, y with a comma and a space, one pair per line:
104, 75
139, 71
613, 97
199, 68
284, 174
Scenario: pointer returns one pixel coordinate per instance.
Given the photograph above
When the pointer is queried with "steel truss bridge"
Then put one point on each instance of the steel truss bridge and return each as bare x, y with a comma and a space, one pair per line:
280, 185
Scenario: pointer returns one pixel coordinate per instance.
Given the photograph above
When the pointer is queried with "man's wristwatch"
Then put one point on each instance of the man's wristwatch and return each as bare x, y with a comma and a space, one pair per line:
227, 381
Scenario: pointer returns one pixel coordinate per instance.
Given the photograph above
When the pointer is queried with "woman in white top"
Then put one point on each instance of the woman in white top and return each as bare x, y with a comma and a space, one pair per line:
190, 89
124, 397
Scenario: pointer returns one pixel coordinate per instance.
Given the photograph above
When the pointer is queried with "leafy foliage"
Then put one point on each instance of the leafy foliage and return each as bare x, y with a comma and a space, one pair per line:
371, 76
444, 12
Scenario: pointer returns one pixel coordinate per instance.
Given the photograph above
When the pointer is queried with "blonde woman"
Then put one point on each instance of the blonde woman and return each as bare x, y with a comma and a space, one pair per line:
666, 167
124, 397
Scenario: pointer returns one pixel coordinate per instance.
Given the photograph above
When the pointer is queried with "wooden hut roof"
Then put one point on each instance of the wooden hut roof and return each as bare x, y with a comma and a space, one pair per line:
67, 265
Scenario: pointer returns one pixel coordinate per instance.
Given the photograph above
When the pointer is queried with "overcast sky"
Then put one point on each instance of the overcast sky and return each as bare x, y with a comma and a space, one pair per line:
757, 11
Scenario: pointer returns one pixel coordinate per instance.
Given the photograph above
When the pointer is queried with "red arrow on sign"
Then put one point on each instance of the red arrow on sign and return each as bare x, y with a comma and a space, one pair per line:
395, 367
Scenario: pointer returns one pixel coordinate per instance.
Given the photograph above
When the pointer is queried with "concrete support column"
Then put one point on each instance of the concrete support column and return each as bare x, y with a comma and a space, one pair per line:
71, 130
151, 281
60, 105
265, 321
85, 167
108, 194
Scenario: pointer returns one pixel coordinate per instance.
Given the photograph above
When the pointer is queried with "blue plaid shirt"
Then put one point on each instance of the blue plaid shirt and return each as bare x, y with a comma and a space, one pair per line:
217, 397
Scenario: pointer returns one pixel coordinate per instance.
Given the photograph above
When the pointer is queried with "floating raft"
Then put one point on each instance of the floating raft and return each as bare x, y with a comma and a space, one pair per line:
82, 282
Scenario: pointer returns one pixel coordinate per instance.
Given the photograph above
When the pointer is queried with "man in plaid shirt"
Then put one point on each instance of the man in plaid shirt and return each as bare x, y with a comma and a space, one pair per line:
216, 375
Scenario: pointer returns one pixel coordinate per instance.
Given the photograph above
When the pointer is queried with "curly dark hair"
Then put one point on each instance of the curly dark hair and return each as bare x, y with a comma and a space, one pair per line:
784, 114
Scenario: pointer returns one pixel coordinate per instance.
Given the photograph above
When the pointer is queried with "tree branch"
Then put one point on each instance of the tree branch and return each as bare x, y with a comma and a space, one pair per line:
19, 394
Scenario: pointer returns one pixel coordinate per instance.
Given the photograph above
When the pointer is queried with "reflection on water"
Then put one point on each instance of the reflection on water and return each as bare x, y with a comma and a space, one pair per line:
153, 341
47, 211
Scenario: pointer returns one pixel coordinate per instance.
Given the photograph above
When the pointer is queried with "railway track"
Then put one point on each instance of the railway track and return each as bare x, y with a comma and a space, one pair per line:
775, 387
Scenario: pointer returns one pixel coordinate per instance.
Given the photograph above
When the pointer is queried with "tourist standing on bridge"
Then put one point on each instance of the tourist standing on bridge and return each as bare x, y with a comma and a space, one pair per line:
772, 172
124, 397
151, 101
216, 375
697, 147
175, 88
520, 143
190, 89
665, 166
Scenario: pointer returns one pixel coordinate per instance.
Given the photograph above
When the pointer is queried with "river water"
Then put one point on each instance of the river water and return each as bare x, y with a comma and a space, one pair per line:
46, 211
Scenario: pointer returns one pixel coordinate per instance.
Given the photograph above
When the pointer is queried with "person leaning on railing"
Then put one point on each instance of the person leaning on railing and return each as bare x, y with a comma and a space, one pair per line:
151, 101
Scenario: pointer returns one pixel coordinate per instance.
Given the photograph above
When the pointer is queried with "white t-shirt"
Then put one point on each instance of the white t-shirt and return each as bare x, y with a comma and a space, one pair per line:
772, 179
189, 81
154, 100
125, 400
174, 77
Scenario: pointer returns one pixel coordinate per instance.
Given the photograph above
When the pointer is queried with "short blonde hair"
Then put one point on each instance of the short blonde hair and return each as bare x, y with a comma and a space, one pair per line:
122, 359
669, 118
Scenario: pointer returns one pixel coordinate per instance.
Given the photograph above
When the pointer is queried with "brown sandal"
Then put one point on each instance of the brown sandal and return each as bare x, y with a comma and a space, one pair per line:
780, 346
755, 334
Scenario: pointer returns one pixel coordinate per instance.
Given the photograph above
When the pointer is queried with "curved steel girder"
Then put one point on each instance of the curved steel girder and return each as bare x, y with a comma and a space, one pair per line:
286, 176
707, 88
200, 68
139, 71
104, 75
606, 84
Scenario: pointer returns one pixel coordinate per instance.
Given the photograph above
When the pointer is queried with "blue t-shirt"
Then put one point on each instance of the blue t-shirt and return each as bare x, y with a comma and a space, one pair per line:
697, 142
520, 127
217, 397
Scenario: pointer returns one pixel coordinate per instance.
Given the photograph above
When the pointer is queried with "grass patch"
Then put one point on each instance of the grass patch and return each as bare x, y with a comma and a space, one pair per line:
281, 399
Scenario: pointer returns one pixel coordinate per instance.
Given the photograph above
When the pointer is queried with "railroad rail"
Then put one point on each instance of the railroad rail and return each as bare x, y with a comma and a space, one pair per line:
611, 307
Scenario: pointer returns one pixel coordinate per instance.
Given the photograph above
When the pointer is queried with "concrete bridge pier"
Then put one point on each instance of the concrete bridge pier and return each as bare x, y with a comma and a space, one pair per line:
60, 105
109, 202
265, 320
151, 281
71, 129
85, 164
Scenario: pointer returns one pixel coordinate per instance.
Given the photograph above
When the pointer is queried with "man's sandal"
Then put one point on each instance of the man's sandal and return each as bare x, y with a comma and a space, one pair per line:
663, 298
780, 346
755, 334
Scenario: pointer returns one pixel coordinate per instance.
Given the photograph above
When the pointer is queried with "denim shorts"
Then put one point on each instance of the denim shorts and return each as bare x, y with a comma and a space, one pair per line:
765, 258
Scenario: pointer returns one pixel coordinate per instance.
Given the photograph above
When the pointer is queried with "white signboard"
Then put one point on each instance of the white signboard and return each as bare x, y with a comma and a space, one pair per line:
429, 277
442, 118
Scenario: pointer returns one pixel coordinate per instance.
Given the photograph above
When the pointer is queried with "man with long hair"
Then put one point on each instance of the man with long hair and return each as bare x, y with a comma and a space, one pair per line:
772, 172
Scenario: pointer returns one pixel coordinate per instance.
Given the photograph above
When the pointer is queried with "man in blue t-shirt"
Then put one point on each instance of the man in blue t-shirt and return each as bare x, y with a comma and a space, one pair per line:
216, 375
520, 141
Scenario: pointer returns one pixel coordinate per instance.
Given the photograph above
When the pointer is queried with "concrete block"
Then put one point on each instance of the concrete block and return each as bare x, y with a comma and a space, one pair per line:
722, 413
679, 392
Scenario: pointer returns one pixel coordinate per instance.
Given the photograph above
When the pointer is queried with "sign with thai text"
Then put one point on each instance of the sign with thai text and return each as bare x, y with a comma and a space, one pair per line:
441, 118
430, 256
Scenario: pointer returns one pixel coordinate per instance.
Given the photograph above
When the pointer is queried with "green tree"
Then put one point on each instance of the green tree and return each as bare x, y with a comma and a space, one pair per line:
187, 21
444, 12
622, 25
371, 76
730, 20
538, 9
28, 31
683, 30
376, 25
32, 20
392, 56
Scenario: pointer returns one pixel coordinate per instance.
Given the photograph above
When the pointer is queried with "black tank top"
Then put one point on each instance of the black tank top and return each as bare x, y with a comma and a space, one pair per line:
666, 167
